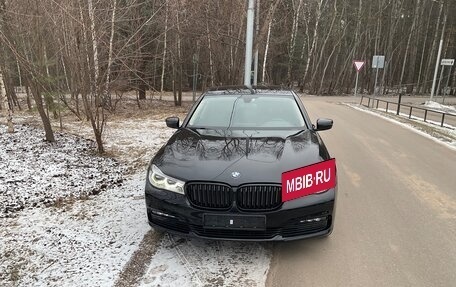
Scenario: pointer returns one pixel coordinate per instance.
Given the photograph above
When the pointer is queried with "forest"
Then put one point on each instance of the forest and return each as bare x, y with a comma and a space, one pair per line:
79, 54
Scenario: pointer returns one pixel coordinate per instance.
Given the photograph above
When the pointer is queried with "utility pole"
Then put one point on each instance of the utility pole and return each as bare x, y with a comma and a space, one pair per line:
437, 63
249, 44
257, 32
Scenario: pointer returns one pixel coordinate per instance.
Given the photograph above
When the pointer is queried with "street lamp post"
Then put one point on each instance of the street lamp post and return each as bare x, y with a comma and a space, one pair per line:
249, 44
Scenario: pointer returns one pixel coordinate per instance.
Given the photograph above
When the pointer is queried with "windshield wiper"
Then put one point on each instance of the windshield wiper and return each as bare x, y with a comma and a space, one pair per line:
232, 111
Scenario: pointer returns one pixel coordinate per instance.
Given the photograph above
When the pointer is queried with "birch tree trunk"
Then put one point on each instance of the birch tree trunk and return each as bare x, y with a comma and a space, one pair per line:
431, 55
6, 105
85, 52
337, 45
266, 49
420, 71
323, 46
292, 43
411, 75
358, 27
376, 48
49, 134
312, 47
27, 94
19, 74
96, 116
209, 46
238, 41
178, 98
412, 30
162, 78
107, 93
395, 18
231, 62
94, 47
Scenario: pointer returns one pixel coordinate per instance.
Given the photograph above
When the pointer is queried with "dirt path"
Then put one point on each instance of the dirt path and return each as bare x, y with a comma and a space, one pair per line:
136, 267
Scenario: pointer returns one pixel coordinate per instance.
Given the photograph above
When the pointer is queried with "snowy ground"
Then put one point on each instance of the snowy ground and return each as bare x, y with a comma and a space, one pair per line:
195, 262
81, 244
439, 107
36, 173
67, 216
89, 240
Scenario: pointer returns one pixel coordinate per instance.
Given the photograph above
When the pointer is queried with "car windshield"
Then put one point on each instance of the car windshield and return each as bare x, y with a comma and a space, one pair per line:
247, 112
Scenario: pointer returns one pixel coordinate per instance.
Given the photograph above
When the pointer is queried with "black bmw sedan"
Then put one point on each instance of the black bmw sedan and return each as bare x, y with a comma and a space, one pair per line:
220, 175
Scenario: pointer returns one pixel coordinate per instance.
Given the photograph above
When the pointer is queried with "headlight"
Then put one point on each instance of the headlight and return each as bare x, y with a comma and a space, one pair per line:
158, 179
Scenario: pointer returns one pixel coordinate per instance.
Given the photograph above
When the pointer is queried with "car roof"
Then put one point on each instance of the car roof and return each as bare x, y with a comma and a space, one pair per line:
240, 90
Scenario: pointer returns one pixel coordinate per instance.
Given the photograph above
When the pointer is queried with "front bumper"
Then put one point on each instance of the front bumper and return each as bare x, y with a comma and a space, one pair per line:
305, 217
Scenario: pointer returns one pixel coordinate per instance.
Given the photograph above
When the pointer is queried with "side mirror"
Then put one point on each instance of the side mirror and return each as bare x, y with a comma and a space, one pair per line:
324, 124
172, 122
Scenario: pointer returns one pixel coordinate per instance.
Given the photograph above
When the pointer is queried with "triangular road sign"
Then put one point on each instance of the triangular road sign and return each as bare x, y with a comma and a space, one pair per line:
358, 65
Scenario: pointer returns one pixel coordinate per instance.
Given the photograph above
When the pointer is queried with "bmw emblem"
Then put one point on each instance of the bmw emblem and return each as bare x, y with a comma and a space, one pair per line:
235, 174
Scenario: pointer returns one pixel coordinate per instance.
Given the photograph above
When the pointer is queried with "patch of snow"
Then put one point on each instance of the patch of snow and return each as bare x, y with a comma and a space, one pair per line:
35, 173
86, 243
53, 232
440, 107
196, 262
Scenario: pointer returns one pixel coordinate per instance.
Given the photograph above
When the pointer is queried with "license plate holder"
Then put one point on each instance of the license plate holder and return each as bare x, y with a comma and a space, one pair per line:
240, 222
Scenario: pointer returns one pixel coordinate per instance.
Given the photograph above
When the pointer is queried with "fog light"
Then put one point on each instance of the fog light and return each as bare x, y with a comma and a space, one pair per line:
159, 213
316, 219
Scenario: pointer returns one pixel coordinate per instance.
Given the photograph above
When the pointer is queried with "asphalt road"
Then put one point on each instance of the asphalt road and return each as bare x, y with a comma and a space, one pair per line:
396, 213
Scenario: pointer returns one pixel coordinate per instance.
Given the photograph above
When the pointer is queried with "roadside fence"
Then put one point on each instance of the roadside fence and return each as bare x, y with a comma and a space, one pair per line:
424, 113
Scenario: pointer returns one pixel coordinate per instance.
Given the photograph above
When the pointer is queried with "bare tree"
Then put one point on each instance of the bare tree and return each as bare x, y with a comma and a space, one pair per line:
76, 52
6, 105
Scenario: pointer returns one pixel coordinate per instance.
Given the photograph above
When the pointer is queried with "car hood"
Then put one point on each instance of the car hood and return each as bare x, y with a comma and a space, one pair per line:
258, 156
